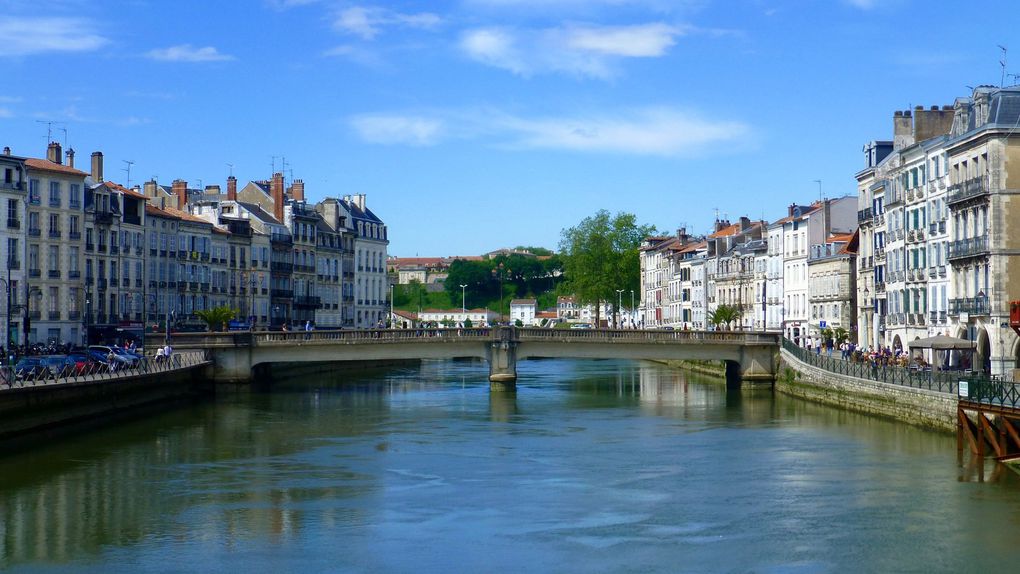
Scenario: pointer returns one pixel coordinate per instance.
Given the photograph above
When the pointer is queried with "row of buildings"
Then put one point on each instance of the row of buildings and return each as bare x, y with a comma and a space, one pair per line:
928, 246
88, 259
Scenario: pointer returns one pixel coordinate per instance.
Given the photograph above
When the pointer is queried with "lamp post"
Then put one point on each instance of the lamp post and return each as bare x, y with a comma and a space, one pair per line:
619, 305
390, 322
7, 336
463, 299
632, 322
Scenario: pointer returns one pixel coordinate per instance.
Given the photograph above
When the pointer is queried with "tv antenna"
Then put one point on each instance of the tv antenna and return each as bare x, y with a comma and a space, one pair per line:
231, 166
819, 182
128, 163
1013, 78
65, 137
1002, 63
49, 128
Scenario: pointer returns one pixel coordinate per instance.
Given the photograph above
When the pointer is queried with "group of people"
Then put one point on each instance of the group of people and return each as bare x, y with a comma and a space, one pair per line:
164, 353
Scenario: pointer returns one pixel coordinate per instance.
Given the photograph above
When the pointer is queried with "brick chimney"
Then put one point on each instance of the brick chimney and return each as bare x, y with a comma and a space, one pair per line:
231, 188
903, 129
7, 150
297, 190
54, 153
70, 157
180, 190
97, 166
276, 194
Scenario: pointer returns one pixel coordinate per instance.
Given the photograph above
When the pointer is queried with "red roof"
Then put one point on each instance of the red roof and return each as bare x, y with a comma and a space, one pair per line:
125, 191
47, 165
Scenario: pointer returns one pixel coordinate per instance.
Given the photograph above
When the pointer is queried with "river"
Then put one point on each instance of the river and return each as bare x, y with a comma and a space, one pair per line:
592, 466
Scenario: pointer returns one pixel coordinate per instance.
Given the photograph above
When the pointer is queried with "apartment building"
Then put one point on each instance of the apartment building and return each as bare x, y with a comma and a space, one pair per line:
14, 195
371, 287
832, 277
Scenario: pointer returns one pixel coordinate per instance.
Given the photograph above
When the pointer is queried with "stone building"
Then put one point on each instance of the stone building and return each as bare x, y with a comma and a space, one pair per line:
832, 278
14, 195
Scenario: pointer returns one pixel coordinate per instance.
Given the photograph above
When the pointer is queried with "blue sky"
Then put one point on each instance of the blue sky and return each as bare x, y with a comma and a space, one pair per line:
479, 124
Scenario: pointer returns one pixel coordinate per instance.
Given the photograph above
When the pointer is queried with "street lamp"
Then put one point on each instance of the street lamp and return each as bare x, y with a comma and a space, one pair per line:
391, 322
463, 299
619, 304
632, 323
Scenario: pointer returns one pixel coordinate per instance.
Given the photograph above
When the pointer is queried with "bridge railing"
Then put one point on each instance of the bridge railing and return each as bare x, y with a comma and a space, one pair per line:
646, 336
991, 392
878, 371
93, 372
368, 335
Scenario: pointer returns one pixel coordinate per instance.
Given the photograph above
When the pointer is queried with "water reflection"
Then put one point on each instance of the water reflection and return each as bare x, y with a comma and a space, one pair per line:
599, 465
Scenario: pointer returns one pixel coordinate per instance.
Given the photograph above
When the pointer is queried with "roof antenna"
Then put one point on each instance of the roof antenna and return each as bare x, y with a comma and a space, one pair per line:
231, 166
49, 128
65, 138
819, 182
1002, 63
128, 170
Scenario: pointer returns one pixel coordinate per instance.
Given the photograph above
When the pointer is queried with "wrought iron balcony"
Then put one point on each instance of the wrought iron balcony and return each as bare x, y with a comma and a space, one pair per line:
970, 189
13, 223
972, 247
971, 305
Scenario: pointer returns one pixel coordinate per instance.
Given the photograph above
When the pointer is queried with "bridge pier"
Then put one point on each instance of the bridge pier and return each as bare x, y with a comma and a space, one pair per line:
502, 356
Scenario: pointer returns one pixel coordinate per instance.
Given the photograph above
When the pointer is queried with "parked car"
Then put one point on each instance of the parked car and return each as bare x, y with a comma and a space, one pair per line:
59, 365
121, 360
85, 364
30, 368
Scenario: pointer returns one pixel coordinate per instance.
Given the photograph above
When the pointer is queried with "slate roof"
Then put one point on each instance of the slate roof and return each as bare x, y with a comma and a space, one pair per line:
258, 213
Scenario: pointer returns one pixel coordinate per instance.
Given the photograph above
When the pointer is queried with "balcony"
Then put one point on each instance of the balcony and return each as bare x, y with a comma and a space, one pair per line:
281, 239
879, 220
35, 314
53, 273
933, 272
971, 305
103, 217
13, 223
12, 186
90, 247
53, 315
34, 232
126, 282
972, 247
193, 285
282, 267
304, 268
35, 273
101, 283
74, 274
864, 215
114, 250
205, 287
101, 248
74, 315
879, 288
942, 270
55, 234
307, 301
970, 189
282, 293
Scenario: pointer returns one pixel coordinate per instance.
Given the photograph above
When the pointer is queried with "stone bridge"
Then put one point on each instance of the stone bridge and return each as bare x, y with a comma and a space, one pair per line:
750, 357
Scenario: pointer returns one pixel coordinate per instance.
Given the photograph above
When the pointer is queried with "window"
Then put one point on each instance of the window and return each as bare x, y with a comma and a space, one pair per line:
12, 254
54, 194
54, 225
53, 257
12, 212
75, 196
33, 191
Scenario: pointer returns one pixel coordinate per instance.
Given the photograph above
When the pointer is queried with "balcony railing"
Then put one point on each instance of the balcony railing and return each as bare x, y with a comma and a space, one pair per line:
972, 247
306, 301
282, 267
971, 305
282, 293
282, 238
104, 217
969, 189
34, 232
53, 273
13, 223
864, 215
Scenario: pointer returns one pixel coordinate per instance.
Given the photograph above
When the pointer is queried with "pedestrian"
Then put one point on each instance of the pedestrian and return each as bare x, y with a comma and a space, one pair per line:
160, 356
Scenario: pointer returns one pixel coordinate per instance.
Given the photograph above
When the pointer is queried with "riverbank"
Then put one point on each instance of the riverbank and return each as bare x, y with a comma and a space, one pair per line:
919, 407
713, 368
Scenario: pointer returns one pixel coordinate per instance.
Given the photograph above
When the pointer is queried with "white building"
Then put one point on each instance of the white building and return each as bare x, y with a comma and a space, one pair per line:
523, 310
457, 317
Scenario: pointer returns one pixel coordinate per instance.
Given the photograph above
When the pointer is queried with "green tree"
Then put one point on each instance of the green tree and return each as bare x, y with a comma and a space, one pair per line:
217, 317
534, 250
600, 255
724, 315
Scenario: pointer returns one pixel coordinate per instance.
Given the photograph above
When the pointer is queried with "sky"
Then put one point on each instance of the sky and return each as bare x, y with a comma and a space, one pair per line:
473, 125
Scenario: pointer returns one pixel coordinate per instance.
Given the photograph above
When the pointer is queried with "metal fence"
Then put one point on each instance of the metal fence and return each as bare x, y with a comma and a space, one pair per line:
938, 381
11, 379
991, 392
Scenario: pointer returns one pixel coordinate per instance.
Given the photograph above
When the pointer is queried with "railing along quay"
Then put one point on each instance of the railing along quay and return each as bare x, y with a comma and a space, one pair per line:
938, 381
96, 372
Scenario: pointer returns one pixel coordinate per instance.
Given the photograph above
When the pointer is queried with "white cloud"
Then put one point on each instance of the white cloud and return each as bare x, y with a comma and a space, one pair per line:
398, 129
23, 36
367, 22
653, 131
188, 53
5, 113
647, 41
585, 50
355, 54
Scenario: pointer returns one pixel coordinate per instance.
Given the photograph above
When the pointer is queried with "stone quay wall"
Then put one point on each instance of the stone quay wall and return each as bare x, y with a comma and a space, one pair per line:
919, 407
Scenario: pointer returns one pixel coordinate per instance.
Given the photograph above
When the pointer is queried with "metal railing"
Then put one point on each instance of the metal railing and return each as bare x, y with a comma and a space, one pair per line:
991, 392
879, 370
97, 372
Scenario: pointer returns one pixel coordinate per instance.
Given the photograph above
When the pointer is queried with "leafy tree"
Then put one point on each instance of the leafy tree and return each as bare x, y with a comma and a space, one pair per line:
724, 315
467, 323
600, 255
217, 317
534, 250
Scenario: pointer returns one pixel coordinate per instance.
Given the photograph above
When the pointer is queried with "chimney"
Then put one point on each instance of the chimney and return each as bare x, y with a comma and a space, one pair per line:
826, 219
232, 188
212, 189
276, 194
681, 234
7, 150
53, 153
150, 188
70, 157
745, 223
97, 166
297, 190
903, 129
180, 190
932, 123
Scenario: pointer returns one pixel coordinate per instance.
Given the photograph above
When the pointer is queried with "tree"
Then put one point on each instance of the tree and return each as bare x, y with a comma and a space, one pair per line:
724, 315
600, 255
217, 317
